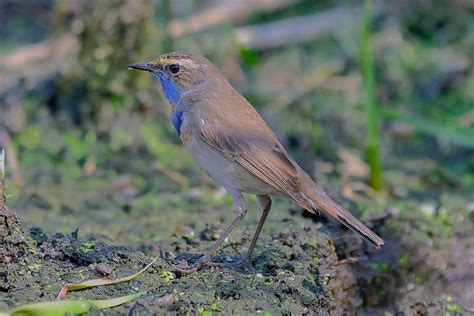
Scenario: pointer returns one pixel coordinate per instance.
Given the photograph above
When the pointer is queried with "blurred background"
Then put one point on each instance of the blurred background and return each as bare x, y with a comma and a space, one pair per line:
376, 102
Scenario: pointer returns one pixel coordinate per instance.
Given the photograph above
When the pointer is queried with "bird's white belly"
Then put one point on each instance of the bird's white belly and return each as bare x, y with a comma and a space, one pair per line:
229, 174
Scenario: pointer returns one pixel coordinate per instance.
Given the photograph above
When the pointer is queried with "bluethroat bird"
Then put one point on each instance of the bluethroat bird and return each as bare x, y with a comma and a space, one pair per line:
232, 143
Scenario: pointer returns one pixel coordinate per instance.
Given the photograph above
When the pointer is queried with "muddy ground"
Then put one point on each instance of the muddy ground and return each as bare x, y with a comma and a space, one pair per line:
303, 263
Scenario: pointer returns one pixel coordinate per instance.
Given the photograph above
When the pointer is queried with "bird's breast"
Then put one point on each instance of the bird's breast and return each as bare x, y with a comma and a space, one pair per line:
224, 171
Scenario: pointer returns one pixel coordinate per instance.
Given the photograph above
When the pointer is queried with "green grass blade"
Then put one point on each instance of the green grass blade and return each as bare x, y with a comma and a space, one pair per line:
61, 308
112, 302
100, 282
368, 76
54, 308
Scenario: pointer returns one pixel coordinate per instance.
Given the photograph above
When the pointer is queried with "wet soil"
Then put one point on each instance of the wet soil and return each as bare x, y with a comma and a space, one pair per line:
293, 273
300, 267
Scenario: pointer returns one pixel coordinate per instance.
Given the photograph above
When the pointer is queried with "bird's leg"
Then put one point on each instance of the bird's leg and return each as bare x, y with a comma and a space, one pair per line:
240, 208
266, 203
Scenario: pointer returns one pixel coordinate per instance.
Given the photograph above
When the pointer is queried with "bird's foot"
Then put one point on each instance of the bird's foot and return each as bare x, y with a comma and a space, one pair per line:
242, 264
184, 268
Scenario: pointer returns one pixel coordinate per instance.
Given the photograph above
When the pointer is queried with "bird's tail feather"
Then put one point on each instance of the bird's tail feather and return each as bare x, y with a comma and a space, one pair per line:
315, 198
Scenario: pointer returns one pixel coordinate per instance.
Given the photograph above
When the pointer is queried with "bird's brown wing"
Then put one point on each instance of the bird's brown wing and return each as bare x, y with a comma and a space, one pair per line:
254, 146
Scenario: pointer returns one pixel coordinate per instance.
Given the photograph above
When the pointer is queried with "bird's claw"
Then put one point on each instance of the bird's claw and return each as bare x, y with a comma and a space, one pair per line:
183, 267
236, 265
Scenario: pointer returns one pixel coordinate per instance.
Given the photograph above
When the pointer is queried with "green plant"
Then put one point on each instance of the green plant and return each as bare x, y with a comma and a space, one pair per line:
368, 75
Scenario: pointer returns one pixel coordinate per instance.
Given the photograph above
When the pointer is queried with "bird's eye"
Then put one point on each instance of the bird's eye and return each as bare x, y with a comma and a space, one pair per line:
174, 68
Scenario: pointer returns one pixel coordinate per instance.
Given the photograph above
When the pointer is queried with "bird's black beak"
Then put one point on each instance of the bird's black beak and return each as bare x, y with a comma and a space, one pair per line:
143, 66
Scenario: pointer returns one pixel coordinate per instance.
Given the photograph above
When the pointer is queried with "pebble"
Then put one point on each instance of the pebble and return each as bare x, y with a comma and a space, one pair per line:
104, 268
183, 231
228, 277
167, 299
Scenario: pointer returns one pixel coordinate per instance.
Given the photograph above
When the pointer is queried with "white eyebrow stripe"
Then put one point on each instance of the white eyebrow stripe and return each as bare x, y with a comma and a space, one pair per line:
185, 62
188, 62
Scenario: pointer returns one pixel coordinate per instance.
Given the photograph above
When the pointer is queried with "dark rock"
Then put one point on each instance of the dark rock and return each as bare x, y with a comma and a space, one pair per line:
37, 234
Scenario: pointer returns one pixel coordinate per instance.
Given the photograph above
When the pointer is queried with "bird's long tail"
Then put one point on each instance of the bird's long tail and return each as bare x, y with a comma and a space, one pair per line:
314, 198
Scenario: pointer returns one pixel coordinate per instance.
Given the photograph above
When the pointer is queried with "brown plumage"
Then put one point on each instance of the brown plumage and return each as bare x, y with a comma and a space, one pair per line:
233, 144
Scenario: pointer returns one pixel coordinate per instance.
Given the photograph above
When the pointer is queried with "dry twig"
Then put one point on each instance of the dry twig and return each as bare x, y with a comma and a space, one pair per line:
226, 11
173, 175
51, 54
301, 29
348, 261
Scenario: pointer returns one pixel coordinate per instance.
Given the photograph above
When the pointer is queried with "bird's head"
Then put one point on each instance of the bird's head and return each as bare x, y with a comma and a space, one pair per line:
179, 72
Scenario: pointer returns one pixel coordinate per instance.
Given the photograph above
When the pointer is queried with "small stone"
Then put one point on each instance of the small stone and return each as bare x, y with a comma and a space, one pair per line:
183, 231
259, 275
104, 268
228, 277
167, 299
37, 234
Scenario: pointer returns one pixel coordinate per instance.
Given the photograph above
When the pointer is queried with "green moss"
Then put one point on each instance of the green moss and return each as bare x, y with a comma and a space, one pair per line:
167, 276
35, 266
455, 308
316, 260
403, 259
88, 246
214, 307
380, 266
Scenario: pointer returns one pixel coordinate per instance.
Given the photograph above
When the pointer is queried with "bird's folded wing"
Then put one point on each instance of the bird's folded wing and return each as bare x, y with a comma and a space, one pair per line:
258, 151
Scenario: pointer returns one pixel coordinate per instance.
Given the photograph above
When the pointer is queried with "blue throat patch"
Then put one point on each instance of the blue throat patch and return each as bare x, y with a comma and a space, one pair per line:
172, 93
177, 120
170, 89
